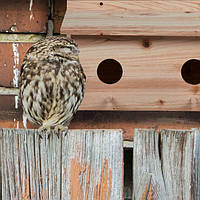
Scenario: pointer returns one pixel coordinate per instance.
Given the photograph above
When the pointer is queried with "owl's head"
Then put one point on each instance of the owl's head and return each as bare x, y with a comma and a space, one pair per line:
65, 47
52, 47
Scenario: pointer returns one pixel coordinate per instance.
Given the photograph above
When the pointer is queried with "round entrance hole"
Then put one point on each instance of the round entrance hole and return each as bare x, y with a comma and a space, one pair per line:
191, 71
109, 71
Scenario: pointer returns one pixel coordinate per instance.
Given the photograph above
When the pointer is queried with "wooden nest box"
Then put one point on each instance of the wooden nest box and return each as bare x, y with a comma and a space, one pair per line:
138, 55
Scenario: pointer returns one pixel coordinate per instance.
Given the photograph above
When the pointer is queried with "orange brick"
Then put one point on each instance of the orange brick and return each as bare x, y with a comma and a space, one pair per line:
23, 16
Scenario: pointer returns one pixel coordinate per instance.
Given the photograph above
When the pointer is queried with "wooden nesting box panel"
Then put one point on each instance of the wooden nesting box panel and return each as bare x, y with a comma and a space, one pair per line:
135, 34
151, 76
139, 17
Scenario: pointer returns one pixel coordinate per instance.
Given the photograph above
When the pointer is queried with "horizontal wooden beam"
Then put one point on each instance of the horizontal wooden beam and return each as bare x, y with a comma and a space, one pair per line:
108, 119
9, 91
134, 18
20, 38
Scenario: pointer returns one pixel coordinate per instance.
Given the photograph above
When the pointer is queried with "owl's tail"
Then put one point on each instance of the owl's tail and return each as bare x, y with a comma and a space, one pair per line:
9, 91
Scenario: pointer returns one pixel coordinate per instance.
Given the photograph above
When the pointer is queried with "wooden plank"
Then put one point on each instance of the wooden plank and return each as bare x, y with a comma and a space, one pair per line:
151, 77
196, 162
138, 18
80, 165
172, 159
112, 120
98, 162
134, 119
146, 160
177, 161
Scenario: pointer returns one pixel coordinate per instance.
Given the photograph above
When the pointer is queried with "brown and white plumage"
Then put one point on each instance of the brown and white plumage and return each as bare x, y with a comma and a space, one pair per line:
52, 83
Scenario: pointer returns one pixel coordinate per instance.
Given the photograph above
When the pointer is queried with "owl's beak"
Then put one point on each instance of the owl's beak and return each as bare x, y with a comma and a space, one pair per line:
76, 52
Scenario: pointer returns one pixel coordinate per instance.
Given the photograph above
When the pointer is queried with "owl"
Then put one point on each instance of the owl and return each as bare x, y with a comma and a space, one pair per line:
52, 83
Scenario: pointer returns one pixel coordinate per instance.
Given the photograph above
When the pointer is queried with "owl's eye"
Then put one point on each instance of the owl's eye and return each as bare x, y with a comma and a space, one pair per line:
69, 47
65, 49
74, 49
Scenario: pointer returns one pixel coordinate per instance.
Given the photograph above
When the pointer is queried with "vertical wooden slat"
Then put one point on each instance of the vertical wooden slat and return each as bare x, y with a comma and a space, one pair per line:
146, 159
171, 157
44, 166
3, 168
0, 167
177, 162
92, 165
34, 165
10, 166
16, 161
83, 164
54, 167
22, 163
196, 161
37, 167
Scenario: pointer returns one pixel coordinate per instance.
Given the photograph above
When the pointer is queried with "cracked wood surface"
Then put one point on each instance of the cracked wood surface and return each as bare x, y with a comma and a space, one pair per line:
84, 164
171, 159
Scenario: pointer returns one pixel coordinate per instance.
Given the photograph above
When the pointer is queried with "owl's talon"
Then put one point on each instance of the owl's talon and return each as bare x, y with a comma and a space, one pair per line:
58, 135
49, 136
40, 136
66, 132
58, 130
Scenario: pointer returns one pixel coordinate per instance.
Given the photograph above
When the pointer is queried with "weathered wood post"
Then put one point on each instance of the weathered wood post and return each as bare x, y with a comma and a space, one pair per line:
84, 164
170, 159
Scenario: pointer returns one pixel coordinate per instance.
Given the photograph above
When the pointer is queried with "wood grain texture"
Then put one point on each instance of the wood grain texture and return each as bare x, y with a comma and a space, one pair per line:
138, 18
143, 187
82, 165
151, 77
171, 157
146, 160
177, 161
196, 162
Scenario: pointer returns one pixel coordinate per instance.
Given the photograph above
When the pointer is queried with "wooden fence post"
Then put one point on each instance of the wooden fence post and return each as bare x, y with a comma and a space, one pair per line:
84, 164
172, 158
196, 165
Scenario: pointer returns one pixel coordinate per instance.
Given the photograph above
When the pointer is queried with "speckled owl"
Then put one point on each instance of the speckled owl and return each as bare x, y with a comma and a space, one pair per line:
52, 83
